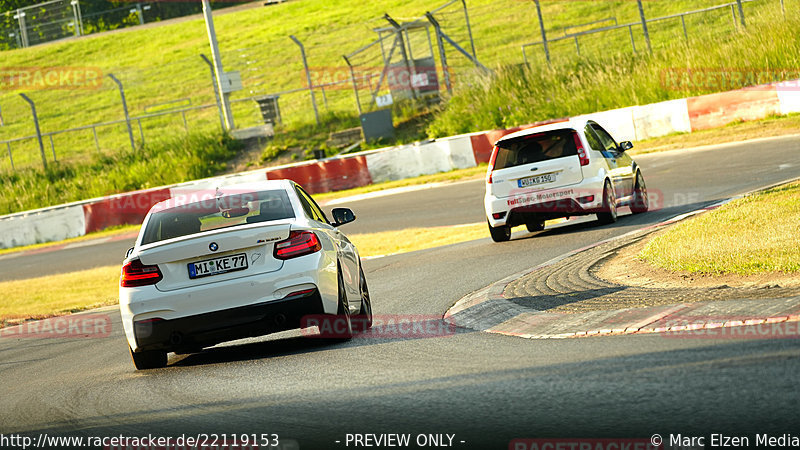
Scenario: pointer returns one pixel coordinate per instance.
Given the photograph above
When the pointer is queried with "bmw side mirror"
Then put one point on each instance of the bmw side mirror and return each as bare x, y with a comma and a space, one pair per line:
625, 146
342, 216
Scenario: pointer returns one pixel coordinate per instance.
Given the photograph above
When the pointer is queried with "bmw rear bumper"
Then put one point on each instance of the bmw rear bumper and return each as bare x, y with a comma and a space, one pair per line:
192, 333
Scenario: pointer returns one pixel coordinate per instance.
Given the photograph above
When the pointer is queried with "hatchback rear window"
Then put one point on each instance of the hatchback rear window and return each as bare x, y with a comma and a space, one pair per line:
221, 212
535, 148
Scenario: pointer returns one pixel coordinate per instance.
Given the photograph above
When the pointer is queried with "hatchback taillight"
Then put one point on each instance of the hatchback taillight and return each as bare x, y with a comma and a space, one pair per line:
299, 243
491, 165
582, 154
136, 274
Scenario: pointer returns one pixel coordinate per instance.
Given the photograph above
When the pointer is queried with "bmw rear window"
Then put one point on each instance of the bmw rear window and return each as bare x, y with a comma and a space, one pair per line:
535, 148
219, 212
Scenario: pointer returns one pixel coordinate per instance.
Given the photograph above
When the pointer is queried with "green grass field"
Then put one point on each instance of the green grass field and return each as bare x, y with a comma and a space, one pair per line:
161, 64
756, 234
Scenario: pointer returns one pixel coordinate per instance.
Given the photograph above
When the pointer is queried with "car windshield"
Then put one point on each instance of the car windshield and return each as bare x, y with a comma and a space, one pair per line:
535, 148
219, 212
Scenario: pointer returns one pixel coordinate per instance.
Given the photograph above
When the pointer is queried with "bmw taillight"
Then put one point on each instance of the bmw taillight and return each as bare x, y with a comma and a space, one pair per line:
299, 243
582, 154
491, 165
135, 274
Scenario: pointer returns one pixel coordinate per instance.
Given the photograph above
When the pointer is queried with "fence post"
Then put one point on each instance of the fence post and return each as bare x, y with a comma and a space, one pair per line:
683, 22
442, 57
399, 33
76, 11
644, 26
141, 131
76, 24
355, 85
220, 73
53, 148
541, 27
577, 45
741, 13
96, 141
308, 75
216, 91
469, 29
23, 28
38, 130
633, 42
783, 8
10, 158
125, 110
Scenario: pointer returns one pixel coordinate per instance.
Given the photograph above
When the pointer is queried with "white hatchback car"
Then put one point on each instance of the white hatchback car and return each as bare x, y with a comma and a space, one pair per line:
562, 169
244, 260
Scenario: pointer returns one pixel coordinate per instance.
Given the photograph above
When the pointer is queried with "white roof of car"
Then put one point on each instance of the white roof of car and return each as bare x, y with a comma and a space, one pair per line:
575, 124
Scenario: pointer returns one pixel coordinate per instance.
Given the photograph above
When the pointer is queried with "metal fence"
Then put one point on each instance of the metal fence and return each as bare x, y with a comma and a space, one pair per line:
346, 72
59, 19
706, 16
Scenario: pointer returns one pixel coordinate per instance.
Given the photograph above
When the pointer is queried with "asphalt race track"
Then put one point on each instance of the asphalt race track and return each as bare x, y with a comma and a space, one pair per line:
486, 389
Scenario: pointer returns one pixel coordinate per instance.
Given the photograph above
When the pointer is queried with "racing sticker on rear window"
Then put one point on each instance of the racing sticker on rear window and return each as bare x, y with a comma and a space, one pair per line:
540, 197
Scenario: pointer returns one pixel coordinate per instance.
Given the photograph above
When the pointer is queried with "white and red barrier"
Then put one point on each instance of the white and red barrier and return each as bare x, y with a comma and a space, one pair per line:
456, 152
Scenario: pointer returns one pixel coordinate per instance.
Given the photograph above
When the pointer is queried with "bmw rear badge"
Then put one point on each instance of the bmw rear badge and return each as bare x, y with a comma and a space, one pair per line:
213, 246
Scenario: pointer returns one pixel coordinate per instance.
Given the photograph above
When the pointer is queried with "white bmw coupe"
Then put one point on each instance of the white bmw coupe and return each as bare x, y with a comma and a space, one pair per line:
240, 261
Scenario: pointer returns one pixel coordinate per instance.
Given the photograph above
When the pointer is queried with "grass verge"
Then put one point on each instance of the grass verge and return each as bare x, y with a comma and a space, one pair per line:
38, 298
755, 234
412, 239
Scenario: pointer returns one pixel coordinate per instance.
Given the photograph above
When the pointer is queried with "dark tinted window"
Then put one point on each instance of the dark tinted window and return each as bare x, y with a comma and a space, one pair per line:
592, 139
213, 213
608, 142
535, 148
312, 209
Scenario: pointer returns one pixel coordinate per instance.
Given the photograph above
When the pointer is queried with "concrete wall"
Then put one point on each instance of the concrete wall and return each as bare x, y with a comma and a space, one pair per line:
661, 119
407, 161
50, 224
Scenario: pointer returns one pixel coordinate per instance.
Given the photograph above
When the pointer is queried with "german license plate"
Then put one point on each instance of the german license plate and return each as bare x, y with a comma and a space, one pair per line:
217, 266
538, 179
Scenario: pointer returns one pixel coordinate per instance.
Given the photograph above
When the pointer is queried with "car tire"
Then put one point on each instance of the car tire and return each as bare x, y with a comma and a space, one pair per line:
343, 314
365, 313
151, 359
537, 225
501, 233
640, 202
609, 212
